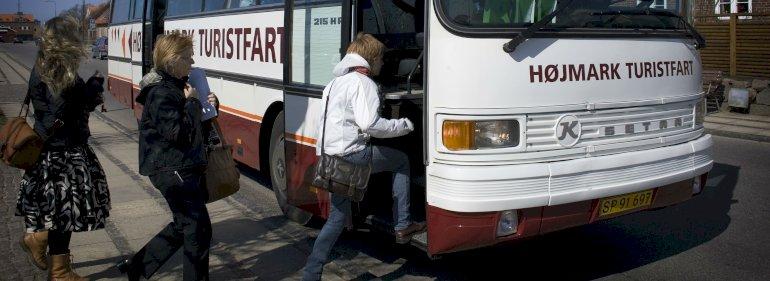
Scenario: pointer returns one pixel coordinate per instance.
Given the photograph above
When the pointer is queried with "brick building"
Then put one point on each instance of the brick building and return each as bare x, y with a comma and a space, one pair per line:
720, 10
100, 14
7, 34
25, 25
736, 33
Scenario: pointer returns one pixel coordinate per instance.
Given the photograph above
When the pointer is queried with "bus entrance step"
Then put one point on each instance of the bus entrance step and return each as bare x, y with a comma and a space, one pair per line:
421, 238
382, 225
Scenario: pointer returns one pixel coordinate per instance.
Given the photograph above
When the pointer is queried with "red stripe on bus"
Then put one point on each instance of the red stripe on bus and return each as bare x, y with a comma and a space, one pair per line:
241, 113
299, 138
122, 78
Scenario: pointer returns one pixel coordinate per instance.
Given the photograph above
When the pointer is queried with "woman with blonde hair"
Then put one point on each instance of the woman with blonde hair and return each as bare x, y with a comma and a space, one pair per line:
351, 104
67, 190
172, 153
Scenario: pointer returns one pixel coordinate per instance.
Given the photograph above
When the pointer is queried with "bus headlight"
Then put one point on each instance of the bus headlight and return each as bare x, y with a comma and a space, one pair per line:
508, 223
700, 112
474, 135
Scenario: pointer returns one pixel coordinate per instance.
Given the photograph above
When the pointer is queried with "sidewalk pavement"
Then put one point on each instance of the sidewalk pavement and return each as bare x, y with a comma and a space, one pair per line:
735, 125
13, 264
249, 243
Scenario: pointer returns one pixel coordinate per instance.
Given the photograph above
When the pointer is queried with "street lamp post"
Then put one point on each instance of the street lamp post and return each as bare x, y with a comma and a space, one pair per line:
84, 21
54, 6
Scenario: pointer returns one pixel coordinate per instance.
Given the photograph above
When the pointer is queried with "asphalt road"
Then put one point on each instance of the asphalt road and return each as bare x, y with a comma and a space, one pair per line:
721, 234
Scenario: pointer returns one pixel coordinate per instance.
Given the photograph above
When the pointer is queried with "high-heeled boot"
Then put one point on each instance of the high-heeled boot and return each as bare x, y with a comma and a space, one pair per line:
36, 244
61, 268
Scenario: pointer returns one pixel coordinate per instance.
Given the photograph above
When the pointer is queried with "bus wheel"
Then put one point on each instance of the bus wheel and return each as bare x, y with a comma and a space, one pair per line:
278, 173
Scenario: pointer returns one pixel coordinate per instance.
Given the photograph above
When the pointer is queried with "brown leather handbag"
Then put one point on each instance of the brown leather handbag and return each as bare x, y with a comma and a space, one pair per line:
21, 145
339, 176
222, 175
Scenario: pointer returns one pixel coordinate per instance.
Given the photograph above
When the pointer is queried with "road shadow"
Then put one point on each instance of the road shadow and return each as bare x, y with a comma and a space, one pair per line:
582, 253
243, 248
109, 273
255, 175
256, 249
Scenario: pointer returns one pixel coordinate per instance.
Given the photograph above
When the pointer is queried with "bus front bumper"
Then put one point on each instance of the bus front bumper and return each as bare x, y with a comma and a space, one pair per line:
465, 203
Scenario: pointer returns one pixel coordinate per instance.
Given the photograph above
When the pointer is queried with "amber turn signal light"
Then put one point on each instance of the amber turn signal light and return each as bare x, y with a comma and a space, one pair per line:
457, 135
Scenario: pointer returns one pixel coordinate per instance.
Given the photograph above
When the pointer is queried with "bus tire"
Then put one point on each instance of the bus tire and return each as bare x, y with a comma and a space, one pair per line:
278, 173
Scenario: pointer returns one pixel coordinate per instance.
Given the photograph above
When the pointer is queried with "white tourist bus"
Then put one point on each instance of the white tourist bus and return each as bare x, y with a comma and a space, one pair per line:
593, 109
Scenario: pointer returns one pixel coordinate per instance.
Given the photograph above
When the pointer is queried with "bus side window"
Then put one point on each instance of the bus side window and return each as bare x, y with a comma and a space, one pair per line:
183, 7
251, 3
243, 3
214, 5
121, 11
138, 9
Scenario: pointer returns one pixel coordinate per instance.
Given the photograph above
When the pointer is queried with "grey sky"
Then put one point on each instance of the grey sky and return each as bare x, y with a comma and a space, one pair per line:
42, 10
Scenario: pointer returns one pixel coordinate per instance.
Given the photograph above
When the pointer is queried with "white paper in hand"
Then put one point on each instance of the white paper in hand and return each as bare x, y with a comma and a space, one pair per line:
198, 81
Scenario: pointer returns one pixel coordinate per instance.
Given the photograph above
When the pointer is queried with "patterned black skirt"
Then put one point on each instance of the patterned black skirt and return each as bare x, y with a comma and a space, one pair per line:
66, 191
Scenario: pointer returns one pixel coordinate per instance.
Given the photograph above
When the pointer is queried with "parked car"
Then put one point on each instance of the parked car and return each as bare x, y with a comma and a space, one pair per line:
99, 48
18, 40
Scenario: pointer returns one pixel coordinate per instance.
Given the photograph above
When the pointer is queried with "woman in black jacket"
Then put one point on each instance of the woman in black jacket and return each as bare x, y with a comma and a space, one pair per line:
172, 153
67, 190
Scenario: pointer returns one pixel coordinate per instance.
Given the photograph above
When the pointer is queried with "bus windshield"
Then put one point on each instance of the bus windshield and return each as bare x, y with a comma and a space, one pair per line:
605, 14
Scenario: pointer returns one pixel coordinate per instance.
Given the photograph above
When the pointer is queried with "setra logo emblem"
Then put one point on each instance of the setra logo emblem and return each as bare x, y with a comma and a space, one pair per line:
568, 130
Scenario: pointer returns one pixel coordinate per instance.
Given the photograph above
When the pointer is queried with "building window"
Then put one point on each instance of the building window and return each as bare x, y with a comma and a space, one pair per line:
732, 6
742, 6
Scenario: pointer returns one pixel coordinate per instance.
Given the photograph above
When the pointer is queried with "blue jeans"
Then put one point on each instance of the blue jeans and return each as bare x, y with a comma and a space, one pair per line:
382, 159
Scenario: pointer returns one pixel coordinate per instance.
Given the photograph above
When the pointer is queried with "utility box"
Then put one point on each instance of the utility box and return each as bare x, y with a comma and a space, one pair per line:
738, 98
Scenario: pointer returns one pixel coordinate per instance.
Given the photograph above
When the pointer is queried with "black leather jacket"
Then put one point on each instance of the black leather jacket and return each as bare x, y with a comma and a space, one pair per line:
170, 137
73, 106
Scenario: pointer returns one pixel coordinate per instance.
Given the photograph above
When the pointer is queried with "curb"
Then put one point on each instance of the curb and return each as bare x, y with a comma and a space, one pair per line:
737, 135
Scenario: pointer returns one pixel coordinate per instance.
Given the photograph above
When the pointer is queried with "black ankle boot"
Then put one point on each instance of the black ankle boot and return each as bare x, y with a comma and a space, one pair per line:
125, 267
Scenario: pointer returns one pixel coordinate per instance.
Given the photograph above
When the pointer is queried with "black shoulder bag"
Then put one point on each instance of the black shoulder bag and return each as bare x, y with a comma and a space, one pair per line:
337, 175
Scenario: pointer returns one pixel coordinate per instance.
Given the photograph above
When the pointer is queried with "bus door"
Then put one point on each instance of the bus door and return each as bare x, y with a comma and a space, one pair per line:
317, 33
399, 25
152, 26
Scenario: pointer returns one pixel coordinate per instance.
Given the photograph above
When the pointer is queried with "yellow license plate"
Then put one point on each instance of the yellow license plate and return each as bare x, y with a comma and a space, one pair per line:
626, 202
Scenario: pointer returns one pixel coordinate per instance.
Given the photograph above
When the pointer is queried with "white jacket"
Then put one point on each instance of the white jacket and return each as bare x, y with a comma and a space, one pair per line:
353, 111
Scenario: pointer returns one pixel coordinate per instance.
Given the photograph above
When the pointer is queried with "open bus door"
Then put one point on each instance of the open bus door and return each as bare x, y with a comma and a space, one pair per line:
317, 33
152, 26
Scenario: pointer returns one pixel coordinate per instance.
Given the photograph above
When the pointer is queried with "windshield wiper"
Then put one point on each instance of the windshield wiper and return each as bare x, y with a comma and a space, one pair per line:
700, 42
535, 27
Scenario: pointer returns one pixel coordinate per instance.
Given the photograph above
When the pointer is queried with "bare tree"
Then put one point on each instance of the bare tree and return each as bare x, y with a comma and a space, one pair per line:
74, 11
